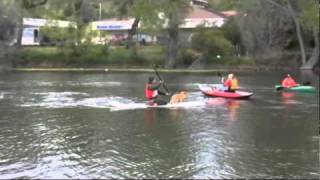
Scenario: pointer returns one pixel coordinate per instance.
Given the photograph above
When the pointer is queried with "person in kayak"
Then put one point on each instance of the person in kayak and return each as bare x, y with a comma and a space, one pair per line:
289, 82
152, 92
231, 84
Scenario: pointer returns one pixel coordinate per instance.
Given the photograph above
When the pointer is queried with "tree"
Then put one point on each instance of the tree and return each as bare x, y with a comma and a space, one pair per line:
25, 5
211, 42
154, 14
174, 12
310, 21
264, 29
126, 8
311, 14
232, 33
7, 31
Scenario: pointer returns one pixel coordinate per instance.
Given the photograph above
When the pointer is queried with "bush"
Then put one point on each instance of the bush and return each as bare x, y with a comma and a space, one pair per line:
150, 55
211, 42
87, 54
188, 56
119, 56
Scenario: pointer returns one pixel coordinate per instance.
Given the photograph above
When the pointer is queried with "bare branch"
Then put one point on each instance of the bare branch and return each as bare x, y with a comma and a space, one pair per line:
278, 5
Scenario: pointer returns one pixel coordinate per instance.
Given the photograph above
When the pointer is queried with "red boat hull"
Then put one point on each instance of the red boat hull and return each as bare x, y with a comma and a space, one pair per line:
217, 93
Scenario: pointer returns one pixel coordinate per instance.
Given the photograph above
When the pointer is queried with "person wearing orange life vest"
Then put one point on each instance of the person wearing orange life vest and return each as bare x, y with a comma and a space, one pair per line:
234, 84
288, 82
152, 92
231, 84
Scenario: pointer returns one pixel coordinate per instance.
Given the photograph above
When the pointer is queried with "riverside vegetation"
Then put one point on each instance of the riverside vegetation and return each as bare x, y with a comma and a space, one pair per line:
264, 33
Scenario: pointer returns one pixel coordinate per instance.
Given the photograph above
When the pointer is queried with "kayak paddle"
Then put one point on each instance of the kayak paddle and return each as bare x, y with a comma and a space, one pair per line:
278, 88
159, 77
306, 83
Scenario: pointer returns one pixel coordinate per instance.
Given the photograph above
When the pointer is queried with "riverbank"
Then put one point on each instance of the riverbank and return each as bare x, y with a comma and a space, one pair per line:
120, 59
141, 69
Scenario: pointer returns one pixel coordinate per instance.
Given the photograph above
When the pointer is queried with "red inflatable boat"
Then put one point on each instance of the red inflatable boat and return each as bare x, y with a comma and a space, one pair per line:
215, 92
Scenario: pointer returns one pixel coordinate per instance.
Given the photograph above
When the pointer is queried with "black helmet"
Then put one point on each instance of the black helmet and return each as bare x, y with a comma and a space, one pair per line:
151, 79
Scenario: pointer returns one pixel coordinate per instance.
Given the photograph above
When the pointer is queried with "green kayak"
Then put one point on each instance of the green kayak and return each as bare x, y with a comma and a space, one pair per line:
296, 88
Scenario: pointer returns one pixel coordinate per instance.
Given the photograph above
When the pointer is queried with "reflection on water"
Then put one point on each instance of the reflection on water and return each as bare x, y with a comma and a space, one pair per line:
58, 125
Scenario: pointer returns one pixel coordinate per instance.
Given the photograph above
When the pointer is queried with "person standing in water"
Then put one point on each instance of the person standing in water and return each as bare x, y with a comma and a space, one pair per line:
152, 92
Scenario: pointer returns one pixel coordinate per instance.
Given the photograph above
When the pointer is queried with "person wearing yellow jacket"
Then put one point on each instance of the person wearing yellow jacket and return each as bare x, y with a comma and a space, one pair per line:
234, 84
231, 84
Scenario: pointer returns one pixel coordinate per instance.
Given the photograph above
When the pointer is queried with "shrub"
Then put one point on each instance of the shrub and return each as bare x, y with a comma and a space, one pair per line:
188, 56
211, 42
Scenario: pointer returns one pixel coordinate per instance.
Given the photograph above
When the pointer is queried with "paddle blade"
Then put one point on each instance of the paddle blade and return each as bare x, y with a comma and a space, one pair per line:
279, 88
306, 83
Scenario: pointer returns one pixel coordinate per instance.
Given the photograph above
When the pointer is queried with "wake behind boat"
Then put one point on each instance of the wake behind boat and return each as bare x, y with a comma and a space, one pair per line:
216, 92
117, 106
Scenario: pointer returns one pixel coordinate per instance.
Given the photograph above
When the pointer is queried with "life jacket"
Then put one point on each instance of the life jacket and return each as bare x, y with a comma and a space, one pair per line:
289, 82
228, 83
234, 84
150, 93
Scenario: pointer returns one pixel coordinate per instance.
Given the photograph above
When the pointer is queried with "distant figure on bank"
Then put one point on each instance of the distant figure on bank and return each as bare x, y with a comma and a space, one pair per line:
231, 84
288, 82
179, 97
152, 92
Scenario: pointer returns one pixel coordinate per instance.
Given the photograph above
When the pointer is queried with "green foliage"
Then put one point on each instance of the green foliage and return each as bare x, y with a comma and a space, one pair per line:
91, 55
188, 56
152, 55
211, 42
231, 32
310, 14
223, 5
58, 34
148, 12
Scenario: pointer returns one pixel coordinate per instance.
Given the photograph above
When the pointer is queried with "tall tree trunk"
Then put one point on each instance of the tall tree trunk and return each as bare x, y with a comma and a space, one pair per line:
131, 33
172, 50
313, 60
19, 25
289, 9
298, 32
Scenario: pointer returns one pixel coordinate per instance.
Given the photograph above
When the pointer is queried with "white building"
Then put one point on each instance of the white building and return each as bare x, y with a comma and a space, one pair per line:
31, 32
118, 29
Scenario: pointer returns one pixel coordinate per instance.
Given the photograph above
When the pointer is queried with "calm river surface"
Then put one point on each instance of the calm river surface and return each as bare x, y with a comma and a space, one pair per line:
55, 125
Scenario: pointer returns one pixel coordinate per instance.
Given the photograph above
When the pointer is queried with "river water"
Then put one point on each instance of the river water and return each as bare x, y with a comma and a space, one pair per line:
58, 125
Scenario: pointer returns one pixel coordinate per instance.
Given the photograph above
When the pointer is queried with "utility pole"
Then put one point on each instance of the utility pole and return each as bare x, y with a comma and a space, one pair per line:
100, 9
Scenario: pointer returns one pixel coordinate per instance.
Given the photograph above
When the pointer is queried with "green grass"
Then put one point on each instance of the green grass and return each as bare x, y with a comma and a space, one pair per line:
99, 55
93, 55
40, 53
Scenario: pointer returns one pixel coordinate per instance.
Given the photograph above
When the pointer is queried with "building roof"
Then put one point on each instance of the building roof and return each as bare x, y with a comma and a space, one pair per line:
196, 16
36, 22
199, 16
197, 12
230, 13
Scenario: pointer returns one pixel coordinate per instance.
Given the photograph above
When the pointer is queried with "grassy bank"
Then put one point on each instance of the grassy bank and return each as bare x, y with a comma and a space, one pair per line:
89, 56
118, 58
134, 70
